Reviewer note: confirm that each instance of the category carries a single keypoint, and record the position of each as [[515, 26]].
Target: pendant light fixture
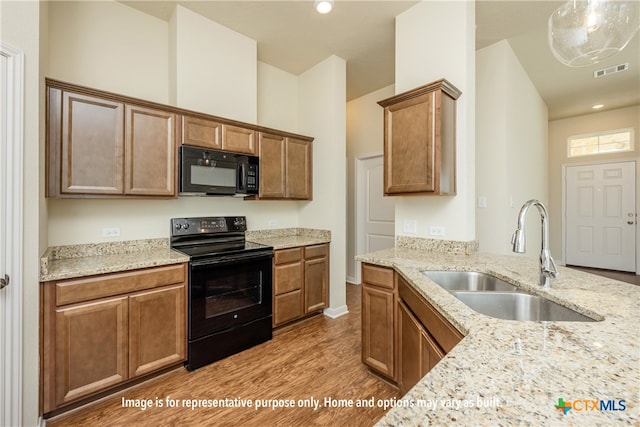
[[323, 6], [584, 32]]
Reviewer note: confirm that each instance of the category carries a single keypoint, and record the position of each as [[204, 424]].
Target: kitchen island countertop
[[512, 372]]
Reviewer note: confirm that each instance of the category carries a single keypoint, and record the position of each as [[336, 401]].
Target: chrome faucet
[[548, 268]]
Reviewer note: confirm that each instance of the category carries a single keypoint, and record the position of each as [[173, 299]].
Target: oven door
[[229, 292]]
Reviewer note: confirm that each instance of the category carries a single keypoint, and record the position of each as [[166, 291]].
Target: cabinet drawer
[[287, 278], [377, 276], [444, 333], [316, 251], [89, 288], [284, 256], [287, 307]]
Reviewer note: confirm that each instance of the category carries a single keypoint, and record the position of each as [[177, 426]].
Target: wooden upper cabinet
[[150, 152], [201, 133], [419, 140], [88, 145], [238, 139], [99, 147], [299, 174], [272, 166], [285, 167]]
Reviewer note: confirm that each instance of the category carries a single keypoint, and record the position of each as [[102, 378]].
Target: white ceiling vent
[[610, 70]]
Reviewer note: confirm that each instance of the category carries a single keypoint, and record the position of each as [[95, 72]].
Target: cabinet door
[[431, 353], [272, 166], [90, 348], [92, 146], [287, 307], [201, 133], [409, 150], [316, 278], [409, 349], [378, 330], [238, 140], [298, 169], [150, 152], [157, 325]]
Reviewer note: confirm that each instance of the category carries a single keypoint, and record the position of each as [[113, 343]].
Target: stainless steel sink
[[468, 281], [518, 306]]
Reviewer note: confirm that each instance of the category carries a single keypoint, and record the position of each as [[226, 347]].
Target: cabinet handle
[[4, 281]]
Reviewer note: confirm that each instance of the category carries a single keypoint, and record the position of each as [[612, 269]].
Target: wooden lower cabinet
[[300, 282], [417, 351], [156, 334], [424, 336], [91, 343], [379, 296], [403, 336], [103, 331]]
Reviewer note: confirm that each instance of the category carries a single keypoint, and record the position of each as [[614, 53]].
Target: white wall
[[277, 98], [107, 45], [559, 131], [435, 40], [511, 149], [215, 67], [365, 137], [20, 27], [322, 101]]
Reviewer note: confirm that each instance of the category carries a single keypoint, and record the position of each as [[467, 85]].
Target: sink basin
[[468, 281], [518, 306]]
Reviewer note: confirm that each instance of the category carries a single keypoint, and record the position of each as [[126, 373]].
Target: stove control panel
[[207, 225]]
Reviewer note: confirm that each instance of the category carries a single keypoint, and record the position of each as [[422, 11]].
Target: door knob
[[630, 222], [4, 281]]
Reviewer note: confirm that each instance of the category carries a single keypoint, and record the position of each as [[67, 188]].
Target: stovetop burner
[[212, 236]]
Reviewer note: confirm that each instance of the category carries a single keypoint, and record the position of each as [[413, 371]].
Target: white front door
[[375, 213], [601, 216]]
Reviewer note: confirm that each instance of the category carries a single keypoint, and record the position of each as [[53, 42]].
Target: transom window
[[600, 143]]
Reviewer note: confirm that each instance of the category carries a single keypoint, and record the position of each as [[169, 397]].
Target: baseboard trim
[[334, 313]]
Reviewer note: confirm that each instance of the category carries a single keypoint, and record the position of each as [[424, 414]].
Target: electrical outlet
[[436, 230], [410, 226], [111, 232], [273, 223]]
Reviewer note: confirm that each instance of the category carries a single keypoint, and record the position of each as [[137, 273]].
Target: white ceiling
[[292, 37]]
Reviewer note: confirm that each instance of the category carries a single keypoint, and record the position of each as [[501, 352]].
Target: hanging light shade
[[584, 32]]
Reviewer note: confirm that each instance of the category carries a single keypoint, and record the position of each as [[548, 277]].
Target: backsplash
[[438, 245]]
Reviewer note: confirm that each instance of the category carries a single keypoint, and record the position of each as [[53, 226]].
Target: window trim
[[598, 135]]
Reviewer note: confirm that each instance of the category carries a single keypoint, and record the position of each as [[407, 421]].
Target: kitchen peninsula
[[511, 372]]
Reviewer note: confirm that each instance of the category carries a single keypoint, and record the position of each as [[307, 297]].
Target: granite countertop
[[65, 262], [284, 238], [506, 372]]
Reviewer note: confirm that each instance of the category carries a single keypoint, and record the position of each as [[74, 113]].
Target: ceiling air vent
[[610, 70]]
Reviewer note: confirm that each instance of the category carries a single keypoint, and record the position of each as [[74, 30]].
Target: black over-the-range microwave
[[217, 173]]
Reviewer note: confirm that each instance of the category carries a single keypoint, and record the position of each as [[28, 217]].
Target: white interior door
[[10, 236], [601, 216], [375, 213]]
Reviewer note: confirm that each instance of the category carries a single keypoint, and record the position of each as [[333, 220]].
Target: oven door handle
[[231, 259]]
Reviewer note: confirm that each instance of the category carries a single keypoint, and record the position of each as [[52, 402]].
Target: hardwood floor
[[318, 358], [617, 275]]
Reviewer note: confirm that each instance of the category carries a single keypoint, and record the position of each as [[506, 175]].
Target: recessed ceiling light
[[597, 106], [323, 6]]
